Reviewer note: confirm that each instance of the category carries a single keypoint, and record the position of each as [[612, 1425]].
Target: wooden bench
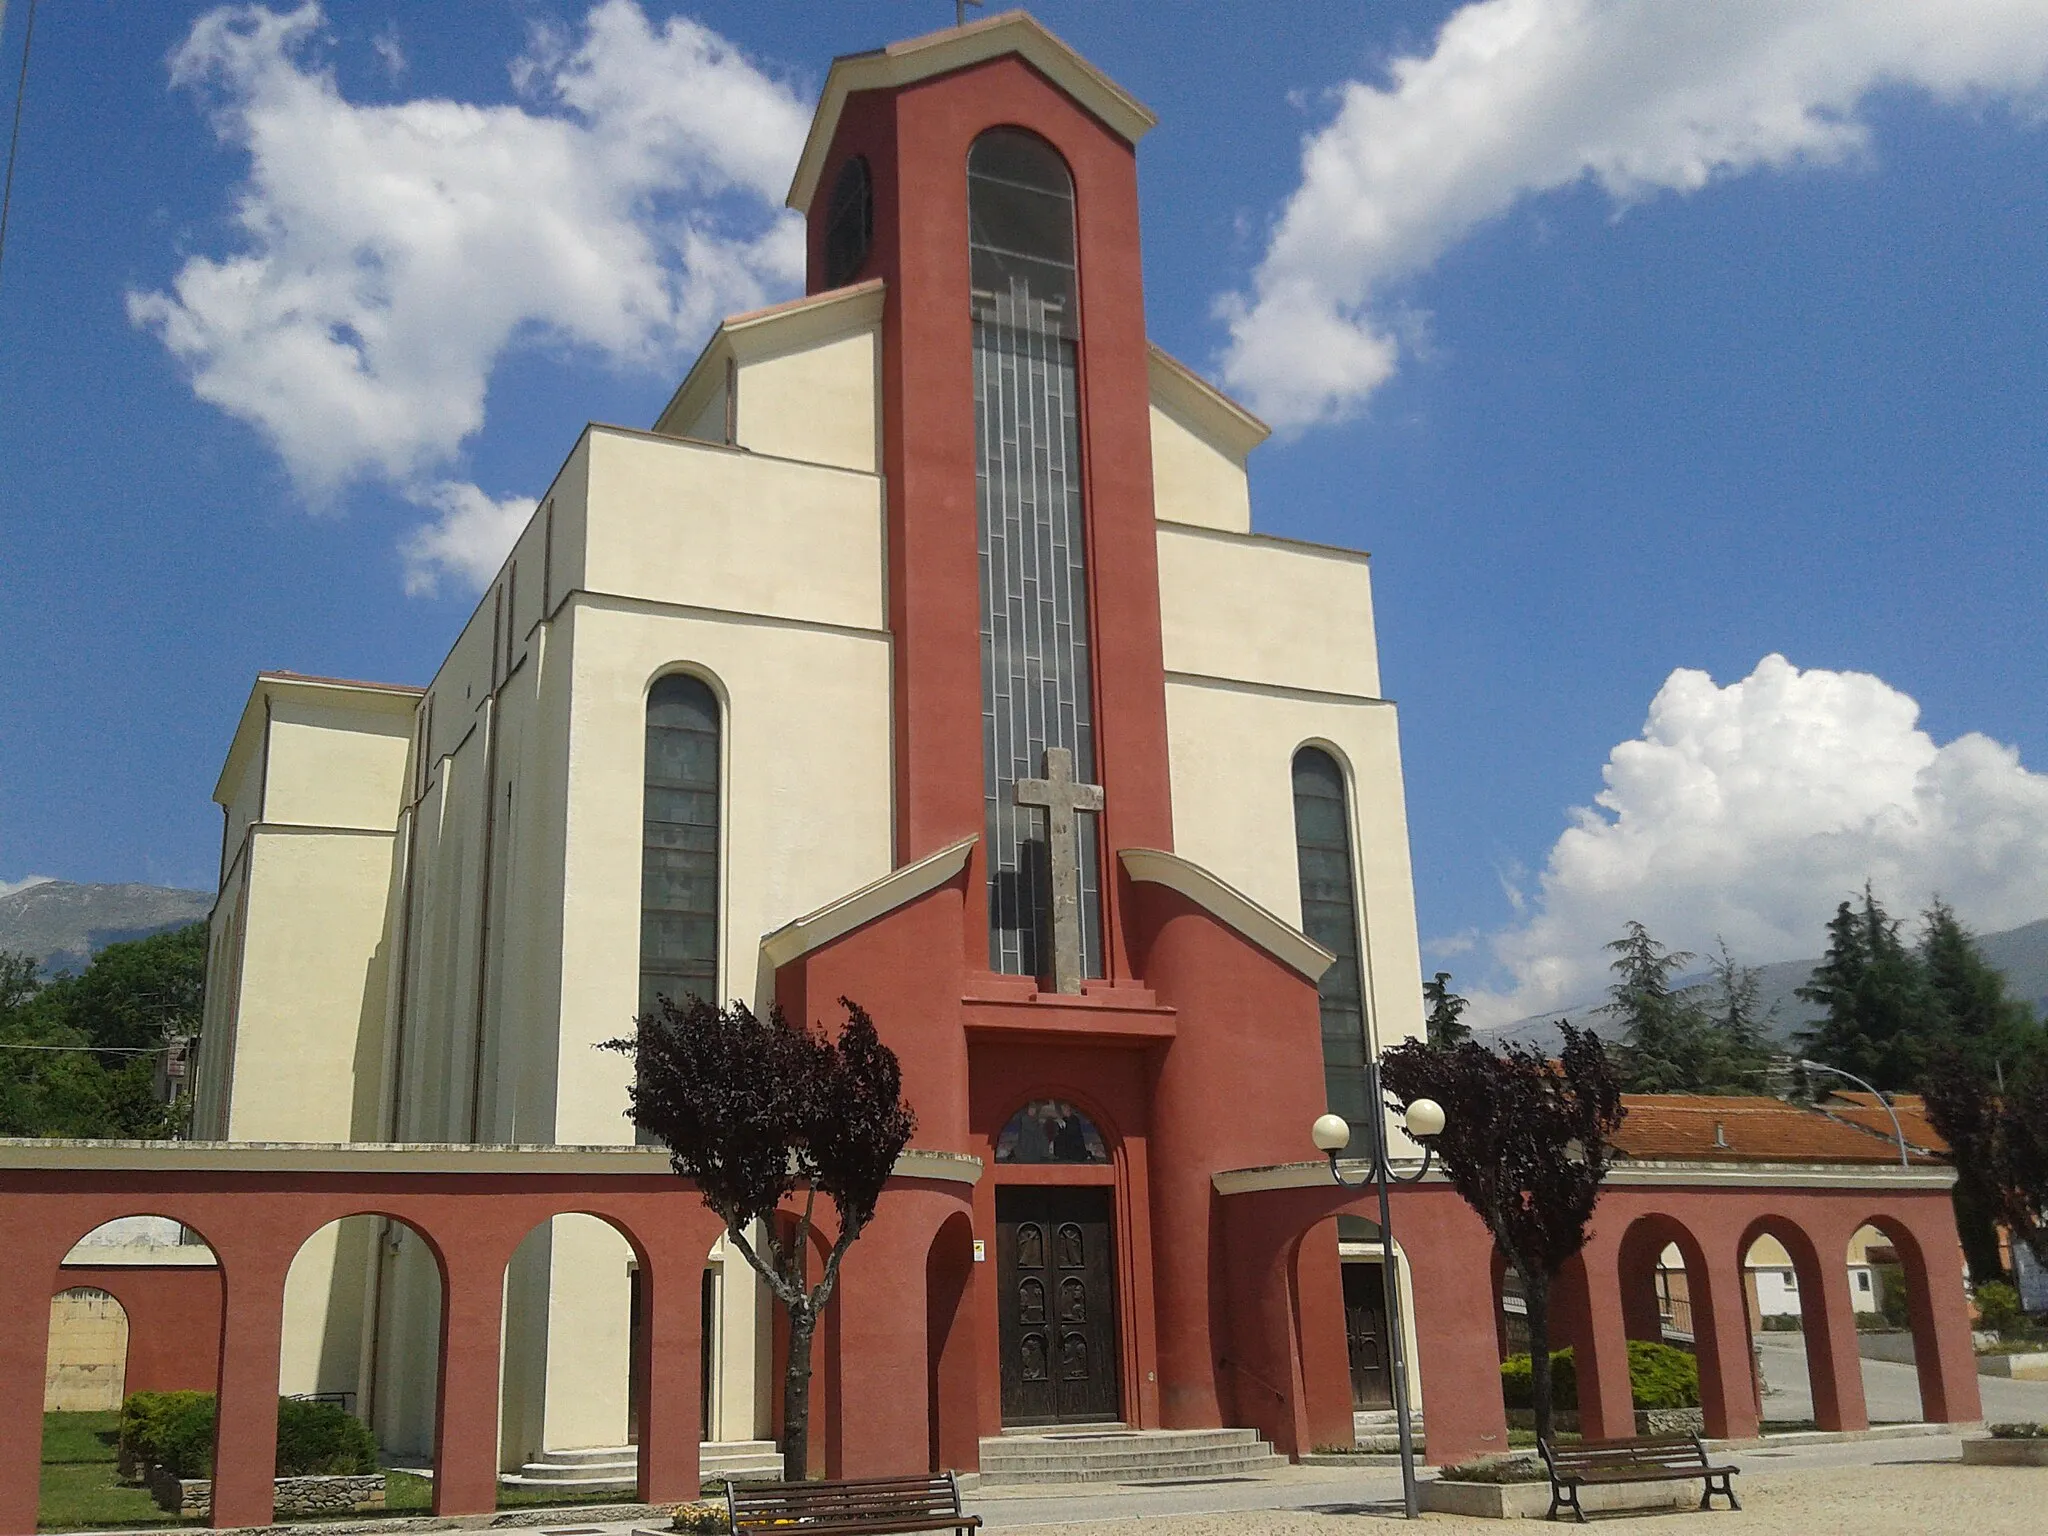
[[869, 1506], [1649, 1459]]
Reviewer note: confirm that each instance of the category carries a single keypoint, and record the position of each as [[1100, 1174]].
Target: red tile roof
[[1690, 1127], [1864, 1110]]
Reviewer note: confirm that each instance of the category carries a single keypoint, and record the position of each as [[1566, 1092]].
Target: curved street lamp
[[1424, 1120], [1898, 1134]]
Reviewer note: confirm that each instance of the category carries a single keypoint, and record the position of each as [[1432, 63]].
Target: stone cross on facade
[[1059, 796]]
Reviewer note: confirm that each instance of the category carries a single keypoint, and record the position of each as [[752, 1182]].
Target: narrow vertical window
[[1035, 680], [1329, 915], [679, 844]]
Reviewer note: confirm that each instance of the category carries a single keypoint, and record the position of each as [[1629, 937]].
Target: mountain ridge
[[63, 924], [2021, 953]]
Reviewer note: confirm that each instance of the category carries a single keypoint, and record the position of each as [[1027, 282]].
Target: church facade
[[923, 653], [754, 710]]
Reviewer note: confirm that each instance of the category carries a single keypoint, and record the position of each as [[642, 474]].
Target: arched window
[[1036, 690], [1050, 1131], [1329, 915], [679, 844]]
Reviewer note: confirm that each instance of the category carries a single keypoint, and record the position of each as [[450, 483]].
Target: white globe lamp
[[1331, 1133], [1425, 1118]]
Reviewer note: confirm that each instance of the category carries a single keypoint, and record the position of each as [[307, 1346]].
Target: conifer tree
[[1874, 989], [1739, 1046], [1444, 1026], [1971, 1012], [1663, 1049]]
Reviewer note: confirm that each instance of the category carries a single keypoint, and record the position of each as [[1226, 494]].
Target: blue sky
[[1641, 344]]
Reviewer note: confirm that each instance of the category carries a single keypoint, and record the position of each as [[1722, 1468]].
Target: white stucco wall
[[1264, 610], [1194, 481]]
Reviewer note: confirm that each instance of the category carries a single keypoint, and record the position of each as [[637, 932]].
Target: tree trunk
[[1536, 1297], [796, 1396]]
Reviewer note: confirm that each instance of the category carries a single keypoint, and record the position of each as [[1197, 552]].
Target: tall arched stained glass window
[[1035, 682], [679, 844], [1329, 915]]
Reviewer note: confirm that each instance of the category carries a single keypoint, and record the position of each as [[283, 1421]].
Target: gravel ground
[[1902, 1498]]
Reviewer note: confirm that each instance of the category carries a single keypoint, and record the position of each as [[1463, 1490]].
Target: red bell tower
[[883, 183]]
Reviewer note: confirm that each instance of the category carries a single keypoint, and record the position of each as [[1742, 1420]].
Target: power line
[[28, 37], [95, 1050]]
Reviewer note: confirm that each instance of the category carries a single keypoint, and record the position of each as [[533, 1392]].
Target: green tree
[[1983, 1039], [1878, 1005], [74, 1052], [1526, 1143], [1445, 1026], [1664, 1047], [1971, 1011], [1738, 1044]]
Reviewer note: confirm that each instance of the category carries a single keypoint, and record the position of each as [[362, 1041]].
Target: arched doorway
[[1790, 1307], [1056, 1269], [362, 1329]]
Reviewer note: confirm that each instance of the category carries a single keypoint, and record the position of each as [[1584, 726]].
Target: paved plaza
[[1890, 1391]]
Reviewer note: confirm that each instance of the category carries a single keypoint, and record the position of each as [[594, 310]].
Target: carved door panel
[[1365, 1336], [1056, 1279]]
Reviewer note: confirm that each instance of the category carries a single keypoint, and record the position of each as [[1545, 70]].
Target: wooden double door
[[1365, 1336], [1056, 1283]]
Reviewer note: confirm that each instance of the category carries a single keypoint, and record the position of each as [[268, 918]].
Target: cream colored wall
[[86, 1362], [589, 1361], [324, 1294], [1233, 749], [1193, 480], [1262, 610], [817, 402], [679, 522], [310, 1037], [334, 766], [806, 734]]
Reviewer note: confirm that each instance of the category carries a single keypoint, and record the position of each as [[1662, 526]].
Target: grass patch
[[79, 1488]]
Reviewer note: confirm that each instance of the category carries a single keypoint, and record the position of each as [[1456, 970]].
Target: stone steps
[[1124, 1456], [1378, 1432], [599, 1469]]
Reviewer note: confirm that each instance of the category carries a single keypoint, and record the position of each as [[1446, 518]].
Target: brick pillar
[[1940, 1315], [1720, 1322], [27, 1280], [1586, 1313], [245, 1424], [1834, 1366], [669, 1364], [466, 1409], [1457, 1355], [882, 1338]]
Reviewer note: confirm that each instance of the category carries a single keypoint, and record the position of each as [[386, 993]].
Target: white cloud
[[1747, 812], [389, 255], [468, 541], [9, 887], [1522, 97]]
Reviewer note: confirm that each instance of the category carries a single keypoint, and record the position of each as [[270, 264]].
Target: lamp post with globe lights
[[1424, 1120]]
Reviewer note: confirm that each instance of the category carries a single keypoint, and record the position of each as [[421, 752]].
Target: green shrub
[[1518, 1392], [1876, 1322], [1662, 1377], [1998, 1308], [172, 1430], [1658, 1377], [321, 1439], [1784, 1322], [2019, 1431], [1891, 1294]]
